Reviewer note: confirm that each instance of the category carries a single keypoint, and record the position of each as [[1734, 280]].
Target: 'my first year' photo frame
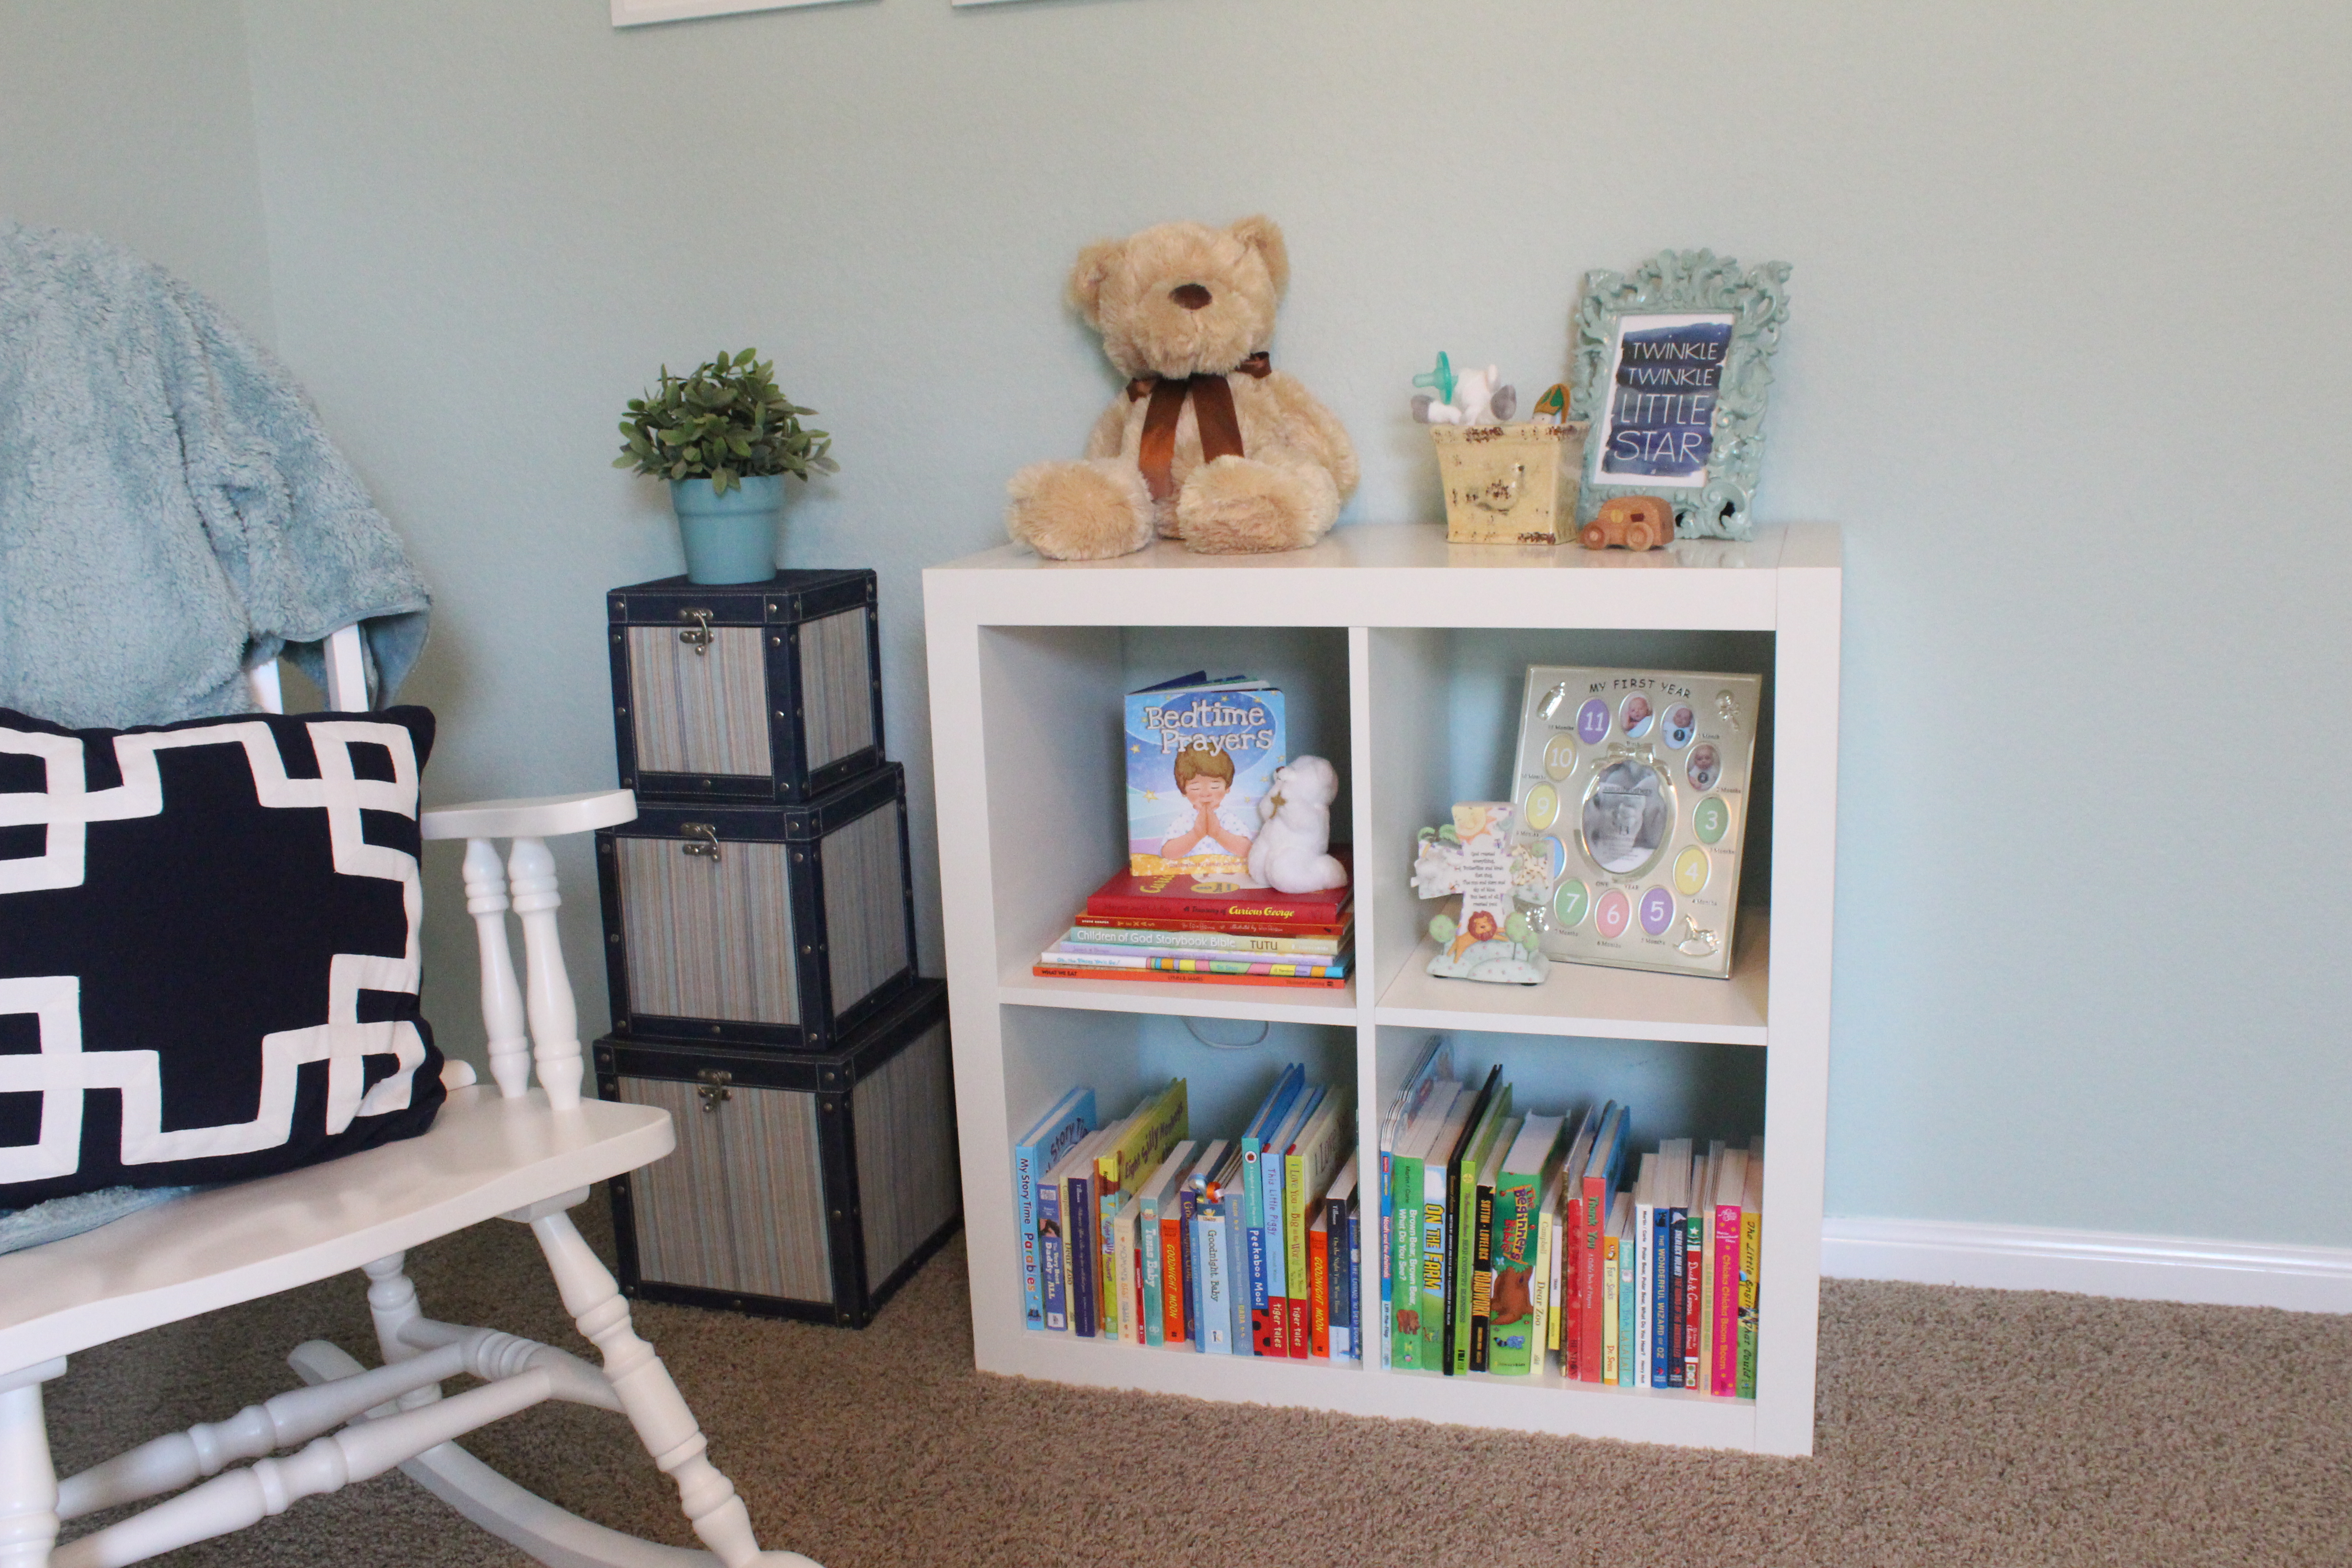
[[1672, 364]]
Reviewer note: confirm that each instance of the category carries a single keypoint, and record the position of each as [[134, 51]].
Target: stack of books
[[1183, 929], [1140, 1234], [1512, 1237]]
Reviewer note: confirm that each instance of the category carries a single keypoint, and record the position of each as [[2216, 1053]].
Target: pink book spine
[[1723, 1371]]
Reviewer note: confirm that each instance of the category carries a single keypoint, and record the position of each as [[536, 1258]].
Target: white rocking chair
[[497, 1150]]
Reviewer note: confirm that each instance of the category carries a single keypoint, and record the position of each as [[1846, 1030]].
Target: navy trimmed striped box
[[757, 693], [773, 926], [802, 1185]]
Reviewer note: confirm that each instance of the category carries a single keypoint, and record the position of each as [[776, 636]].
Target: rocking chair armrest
[[540, 816]]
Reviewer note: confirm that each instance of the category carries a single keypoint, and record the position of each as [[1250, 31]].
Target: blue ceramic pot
[[729, 538]]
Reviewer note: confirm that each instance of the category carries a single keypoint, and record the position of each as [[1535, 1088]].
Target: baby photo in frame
[[1633, 789]]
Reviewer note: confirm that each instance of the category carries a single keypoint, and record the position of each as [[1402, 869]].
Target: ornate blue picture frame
[[1673, 365]]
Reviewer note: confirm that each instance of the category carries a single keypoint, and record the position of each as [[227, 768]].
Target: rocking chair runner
[[497, 1151]]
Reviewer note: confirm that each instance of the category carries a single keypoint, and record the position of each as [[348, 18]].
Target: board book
[[1201, 754], [1055, 1135]]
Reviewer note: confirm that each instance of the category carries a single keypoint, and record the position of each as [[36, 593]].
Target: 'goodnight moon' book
[[1201, 754]]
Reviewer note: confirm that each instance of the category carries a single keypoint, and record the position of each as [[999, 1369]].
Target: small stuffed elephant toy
[[1478, 399], [1291, 853]]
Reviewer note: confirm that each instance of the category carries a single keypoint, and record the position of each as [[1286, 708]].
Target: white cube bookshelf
[[1398, 656]]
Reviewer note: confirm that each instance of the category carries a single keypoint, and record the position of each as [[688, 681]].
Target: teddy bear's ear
[[1263, 234], [1088, 277]]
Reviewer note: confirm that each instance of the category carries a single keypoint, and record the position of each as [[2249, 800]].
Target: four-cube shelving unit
[[1401, 659]]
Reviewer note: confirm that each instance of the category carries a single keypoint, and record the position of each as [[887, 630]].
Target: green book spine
[[1404, 1262], [1466, 1214], [1433, 1265], [1511, 1316]]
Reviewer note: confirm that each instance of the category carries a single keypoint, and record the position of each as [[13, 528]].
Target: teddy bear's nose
[[1192, 296]]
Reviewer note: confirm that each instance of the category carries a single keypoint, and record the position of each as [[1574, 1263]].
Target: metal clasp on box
[[701, 838], [698, 636], [713, 1088]]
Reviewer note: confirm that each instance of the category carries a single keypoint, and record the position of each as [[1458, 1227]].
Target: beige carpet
[[1956, 1427]]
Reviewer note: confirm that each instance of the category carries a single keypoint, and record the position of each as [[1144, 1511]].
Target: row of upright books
[[1137, 1232], [1172, 926], [1512, 1237]]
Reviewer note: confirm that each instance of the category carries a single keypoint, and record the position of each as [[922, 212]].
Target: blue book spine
[[1216, 1336], [1355, 1266], [1677, 1236], [1188, 1207], [1388, 1254], [1626, 1349], [1660, 1217], [1238, 1298], [1334, 1237], [1052, 1138], [1052, 1283], [1085, 1257]]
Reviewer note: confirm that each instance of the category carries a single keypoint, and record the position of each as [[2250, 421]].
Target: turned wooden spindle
[[502, 1008]]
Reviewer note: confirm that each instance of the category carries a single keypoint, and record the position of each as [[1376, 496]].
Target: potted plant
[[724, 438]]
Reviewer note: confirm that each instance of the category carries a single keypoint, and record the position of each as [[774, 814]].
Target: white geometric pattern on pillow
[[60, 1071]]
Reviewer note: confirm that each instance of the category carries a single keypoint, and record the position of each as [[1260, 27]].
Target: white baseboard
[[2090, 1262]]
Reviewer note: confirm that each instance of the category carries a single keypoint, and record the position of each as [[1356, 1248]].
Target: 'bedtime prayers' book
[[1201, 754]]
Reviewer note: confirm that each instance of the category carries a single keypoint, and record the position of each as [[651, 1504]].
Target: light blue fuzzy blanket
[[171, 510]]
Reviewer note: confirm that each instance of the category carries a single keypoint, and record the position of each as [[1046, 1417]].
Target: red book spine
[[1571, 1286], [1593, 1215], [1319, 1303], [1237, 927], [1140, 1336], [1171, 1281], [1723, 1369]]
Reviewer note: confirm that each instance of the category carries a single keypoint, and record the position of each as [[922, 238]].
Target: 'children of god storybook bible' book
[[1201, 754]]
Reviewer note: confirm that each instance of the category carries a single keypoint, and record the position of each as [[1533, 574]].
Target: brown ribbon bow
[[1213, 407]]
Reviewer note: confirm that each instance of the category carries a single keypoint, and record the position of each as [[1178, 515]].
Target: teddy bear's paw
[[1240, 505], [1079, 512]]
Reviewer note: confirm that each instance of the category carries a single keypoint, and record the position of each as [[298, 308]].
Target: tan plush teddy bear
[[1207, 443]]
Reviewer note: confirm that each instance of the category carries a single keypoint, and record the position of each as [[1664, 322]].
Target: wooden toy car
[[1637, 523]]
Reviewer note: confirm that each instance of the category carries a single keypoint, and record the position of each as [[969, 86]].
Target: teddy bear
[[1291, 851], [1207, 442]]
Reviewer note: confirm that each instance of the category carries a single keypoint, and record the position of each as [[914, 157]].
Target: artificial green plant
[[725, 423]]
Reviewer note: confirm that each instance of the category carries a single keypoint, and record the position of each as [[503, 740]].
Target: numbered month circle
[[1691, 870], [1542, 806], [1559, 756], [1637, 716], [1657, 910], [1627, 811], [1569, 905], [1555, 857], [1703, 767], [1679, 726], [1593, 722], [1611, 913], [1710, 819]]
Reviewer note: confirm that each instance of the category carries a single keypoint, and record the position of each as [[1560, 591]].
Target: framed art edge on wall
[[1685, 288], [642, 13]]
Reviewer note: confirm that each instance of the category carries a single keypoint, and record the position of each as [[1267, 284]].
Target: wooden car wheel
[[1594, 536], [1641, 536]]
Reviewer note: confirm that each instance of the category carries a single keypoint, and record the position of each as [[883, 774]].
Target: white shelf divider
[[1026, 680]]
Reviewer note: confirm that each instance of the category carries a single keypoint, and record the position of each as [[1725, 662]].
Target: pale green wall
[[2067, 362], [133, 119]]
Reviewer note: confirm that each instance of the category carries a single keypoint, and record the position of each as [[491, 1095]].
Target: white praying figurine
[[1291, 853]]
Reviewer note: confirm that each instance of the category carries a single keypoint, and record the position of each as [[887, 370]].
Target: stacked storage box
[[759, 930]]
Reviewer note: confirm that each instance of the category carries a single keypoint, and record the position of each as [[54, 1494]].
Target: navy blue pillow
[[208, 948]]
